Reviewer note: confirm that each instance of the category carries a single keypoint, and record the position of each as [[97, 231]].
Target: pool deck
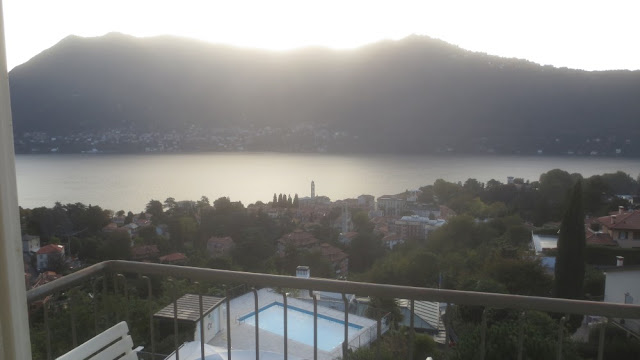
[[243, 334]]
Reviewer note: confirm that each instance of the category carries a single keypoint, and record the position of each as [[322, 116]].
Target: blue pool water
[[300, 325]]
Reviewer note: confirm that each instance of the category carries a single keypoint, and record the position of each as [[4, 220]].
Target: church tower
[[313, 190]]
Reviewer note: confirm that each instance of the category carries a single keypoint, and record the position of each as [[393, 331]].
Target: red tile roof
[[144, 251], [332, 253], [299, 239], [600, 238], [175, 257], [51, 249], [621, 220]]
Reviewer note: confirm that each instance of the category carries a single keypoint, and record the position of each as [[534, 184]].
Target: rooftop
[[188, 307]]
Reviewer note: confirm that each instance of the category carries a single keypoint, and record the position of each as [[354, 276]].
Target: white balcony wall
[[14, 325]]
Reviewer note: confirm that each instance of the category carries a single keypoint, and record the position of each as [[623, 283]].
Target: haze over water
[[128, 182]]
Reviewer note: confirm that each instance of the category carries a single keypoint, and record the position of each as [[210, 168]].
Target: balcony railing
[[118, 273]]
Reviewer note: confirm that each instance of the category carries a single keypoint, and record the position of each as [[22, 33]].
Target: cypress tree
[[275, 199], [295, 201], [279, 199], [570, 267]]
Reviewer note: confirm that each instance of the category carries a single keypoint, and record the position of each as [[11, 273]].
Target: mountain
[[413, 95]]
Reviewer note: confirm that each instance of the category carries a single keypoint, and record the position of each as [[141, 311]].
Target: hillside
[[414, 95]]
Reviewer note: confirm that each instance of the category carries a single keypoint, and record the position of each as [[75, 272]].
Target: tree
[[203, 202], [570, 267], [154, 207], [275, 199], [296, 202]]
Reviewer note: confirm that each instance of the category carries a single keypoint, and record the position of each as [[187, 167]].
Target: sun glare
[[576, 34]]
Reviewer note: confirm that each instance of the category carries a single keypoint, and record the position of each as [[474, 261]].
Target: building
[[298, 239], [174, 259], [622, 286], [415, 227], [30, 243], [338, 259], [49, 256], [219, 246], [346, 238], [427, 317], [145, 253], [368, 201], [188, 315], [622, 226], [391, 205]]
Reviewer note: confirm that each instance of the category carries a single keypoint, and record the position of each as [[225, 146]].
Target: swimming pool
[[300, 325]]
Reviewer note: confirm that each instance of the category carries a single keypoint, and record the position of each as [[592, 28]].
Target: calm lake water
[[128, 182]]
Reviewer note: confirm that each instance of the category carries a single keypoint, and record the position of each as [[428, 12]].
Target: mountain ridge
[[418, 94]]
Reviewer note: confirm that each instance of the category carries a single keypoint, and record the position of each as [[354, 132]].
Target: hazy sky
[[591, 35]]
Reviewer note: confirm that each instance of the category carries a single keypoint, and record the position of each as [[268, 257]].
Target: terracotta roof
[[173, 257], [299, 239], [50, 249], [350, 234], [622, 221], [391, 237], [144, 251], [600, 238], [332, 253]]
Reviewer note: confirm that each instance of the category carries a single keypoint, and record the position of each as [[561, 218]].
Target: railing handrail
[[490, 300]]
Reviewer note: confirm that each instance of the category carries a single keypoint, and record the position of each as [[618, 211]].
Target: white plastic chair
[[113, 343]]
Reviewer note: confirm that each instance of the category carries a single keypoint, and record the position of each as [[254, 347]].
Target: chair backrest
[[113, 343]]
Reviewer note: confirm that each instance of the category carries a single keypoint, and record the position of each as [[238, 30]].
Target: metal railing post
[[603, 329], [286, 325], [126, 296], [255, 296], [412, 334], [521, 335], [174, 296], [560, 337], [226, 294], [378, 332], [345, 344], [315, 324], [151, 330], [45, 305], [483, 334], [72, 309]]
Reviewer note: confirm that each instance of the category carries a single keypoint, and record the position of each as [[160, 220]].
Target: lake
[[128, 182]]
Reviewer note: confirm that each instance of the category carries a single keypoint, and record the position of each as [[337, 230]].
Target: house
[[119, 220], [338, 259], [131, 229], [30, 243], [368, 201], [391, 240], [219, 246], [391, 205], [145, 252], [299, 239], [417, 227], [49, 256], [622, 286], [346, 238], [427, 317], [622, 226], [173, 259]]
